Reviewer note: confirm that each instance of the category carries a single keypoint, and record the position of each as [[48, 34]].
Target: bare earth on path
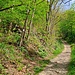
[[58, 65]]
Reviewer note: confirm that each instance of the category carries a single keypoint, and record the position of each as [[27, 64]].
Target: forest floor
[[59, 65]]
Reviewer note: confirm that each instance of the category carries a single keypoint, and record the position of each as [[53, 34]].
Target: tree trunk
[[24, 29], [31, 21]]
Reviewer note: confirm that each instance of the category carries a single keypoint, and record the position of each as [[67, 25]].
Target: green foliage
[[16, 37], [73, 6], [25, 52], [13, 14], [42, 52], [20, 66], [56, 52], [43, 64], [58, 48], [1, 67], [71, 68], [7, 51], [13, 38], [39, 39], [2, 45], [38, 69], [1, 34], [67, 26], [23, 49]]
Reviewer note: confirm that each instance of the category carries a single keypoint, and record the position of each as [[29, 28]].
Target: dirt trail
[[58, 65]]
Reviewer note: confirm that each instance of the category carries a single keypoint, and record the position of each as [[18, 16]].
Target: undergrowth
[[71, 68], [43, 63], [34, 51], [58, 48], [10, 54]]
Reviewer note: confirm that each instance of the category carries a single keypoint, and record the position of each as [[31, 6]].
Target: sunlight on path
[[58, 65]]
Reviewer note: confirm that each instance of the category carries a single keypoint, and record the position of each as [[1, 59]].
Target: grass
[[71, 68], [42, 53], [40, 68], [58, 48], [9, 53]]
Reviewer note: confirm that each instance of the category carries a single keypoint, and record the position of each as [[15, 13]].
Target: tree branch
[[17, 6], [11, 7], [40, 2], [67, 1]]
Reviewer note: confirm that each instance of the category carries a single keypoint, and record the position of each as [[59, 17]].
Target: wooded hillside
[[31, 33]]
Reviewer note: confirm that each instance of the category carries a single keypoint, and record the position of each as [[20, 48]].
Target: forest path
[[58, 65]]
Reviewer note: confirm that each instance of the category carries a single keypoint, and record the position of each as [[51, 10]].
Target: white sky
[[68, 5]]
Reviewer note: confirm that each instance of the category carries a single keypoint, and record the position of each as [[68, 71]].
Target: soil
[[59, 65]]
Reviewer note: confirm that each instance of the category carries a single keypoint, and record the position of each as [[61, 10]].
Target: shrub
[[42, 52], [71, 68]]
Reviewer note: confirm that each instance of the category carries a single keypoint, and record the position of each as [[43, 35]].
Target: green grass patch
[[58, 48], [2, 70], [20, 66], [43, 64], [71, 68], [7, 51], [37, 69], [42, 53]]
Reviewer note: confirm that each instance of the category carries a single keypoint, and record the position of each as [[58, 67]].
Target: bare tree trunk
[[30, 25], [24, 29], [47, 20], [31, 21], [48, 15], [10, 27]]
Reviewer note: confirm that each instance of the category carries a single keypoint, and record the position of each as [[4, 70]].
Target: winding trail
[[58, 65]]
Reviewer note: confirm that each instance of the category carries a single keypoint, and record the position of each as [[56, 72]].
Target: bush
[[37, 69], [14, 38], [1, 68], [42, 52], [58, 47], [71, 68], [1, 34], [2, 45]]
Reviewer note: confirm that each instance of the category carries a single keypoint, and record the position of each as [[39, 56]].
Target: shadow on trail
[[55, 65]]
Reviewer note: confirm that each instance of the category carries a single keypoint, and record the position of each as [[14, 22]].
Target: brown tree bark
[[24, 29], [31, 21]]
